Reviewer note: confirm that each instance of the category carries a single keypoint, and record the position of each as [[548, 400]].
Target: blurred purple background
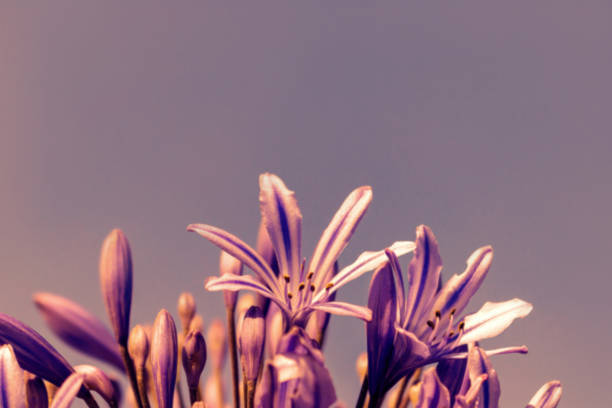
[[489, 122]]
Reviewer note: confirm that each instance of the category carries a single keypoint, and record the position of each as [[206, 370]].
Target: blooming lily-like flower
[[12, 391], [164, 358], [298, 290], [296, 376], [79, 328], [412, 329]]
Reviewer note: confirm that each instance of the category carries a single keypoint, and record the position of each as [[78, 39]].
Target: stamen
[[301, 286], [452, 313], [438, 314], [312, 287], [286, 277], [431, 324], [436, 328], [310, 275], [329, 286], [461, 326], [290, 295]]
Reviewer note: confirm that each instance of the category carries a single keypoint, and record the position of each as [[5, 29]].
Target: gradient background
[[489, 122]]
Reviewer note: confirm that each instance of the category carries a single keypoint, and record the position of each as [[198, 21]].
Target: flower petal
[[238, 249], [228, 265], [381, 329], [116, 282], [492, 319], [244, 282], [164, 358], [432, 394], [96, 380], [338, 233], [547, 396], [79, 328], [345, 309], [424, 276], [33, 352], [12, 390], [364, 263], [68, 391], [283, 220], [489, 390], [36, 393]]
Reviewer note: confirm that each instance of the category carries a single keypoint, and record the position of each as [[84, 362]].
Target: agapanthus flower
[[298, 290], [296, 376], [421, 326]]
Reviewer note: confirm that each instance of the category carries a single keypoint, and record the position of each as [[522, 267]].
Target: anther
[[453, 311], [286, 277], [461, 326], [290, 295], [301, 286], [312, 288], [329, 286], [310, 275], [438, 314], [431, 324], [450, 334]]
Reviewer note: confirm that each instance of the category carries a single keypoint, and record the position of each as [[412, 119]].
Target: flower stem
[[131, 371], [231, 329]]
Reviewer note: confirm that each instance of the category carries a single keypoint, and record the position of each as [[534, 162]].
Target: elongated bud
[[36, 393], [251, 341], [194, 357], [67, 392], [229, 265], [164, 358], [196, 324], [96, 380], [79, 328], [217, 344], [138, 346], [116, 282], [361, 365], [186, 309], [12, 388]]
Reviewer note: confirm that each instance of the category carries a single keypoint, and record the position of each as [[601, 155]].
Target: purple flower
[[12, 391], [116, 282], [194, 357], [298, 290], [33, 352], [419, 327], [68, 391], [547, 396], [296, 376], [79, 328], [164, 358]]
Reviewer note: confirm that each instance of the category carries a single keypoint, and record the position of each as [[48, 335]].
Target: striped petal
[[164, 358], [243, 282], [79, 328], [338, 233], [424, 276], [68, 391], [96, 380], [12, 391], [488, 391], [36, 393], [492, 319], [238, 249], [345, 309], [547, 396], [283, 220], [432, 393], [366, 262]]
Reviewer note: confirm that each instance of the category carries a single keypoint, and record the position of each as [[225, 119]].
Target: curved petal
[[492, 319], [424, 276], [68, 391], [283, 220], [79, 328], [364, 263], [381, 329], [345, 309], [547, 396], [33, 352], [97, 380], [36, 393], [237, 248], [432, 393], [12, 390], [338, 233], [489, 390]]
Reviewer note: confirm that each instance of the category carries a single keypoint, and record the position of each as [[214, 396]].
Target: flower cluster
[[423, 351]]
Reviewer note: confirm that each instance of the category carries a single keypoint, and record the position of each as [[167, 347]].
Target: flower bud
[[186, 309], [194, 357], [36, 393], [217, 344], [116, 282], [67, 392], [164, 358], [96, 380], [138, 346], [361, 365], [229, 265], [251, 342], [12, 389], [196, 324]]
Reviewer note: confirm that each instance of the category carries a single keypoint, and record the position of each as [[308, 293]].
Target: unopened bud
[[217, 344], [362, 365], [194, 357], [251, 342], [186, 309], [138, 346], [196, 324]]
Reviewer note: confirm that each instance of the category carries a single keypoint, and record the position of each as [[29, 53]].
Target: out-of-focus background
[[489, 122]]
